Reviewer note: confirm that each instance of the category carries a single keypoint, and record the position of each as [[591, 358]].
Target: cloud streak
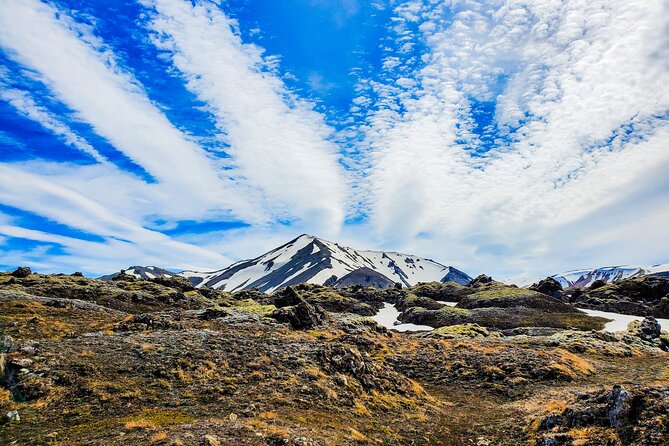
[[567, 80], [278, 144]]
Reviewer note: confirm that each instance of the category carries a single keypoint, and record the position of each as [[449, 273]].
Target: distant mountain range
[[314, 260], [580, 278], [608, 274]]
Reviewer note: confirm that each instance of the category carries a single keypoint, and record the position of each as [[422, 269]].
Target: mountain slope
[[313, 260], [143, 272]]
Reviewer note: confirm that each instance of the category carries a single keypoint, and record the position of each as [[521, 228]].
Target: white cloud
[[81, 72], [278, 144], [577, 72], [283, 163], [25, 105], [123, 236], [107, 256]]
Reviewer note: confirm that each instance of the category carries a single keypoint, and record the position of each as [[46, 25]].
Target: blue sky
[[513, 138]]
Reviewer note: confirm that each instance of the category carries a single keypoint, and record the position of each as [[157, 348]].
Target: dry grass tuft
[[361, 409], [358, 436], [159, 436], [268, 415], [139, 424], [556, 406]]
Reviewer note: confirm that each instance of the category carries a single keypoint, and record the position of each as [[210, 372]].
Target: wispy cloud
[[565, 79], [278, 144], [25, 105], [84, 74]]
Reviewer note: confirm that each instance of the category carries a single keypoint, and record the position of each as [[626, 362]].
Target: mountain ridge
[[314, 260], [584, 277]]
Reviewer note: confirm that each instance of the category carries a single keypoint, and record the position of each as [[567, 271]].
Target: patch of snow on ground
[[387, 317], [619, 322]]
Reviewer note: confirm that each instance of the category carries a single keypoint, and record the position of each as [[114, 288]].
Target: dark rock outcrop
[[22, 272], [299, 313], [639, 296], [327, 299], [608, 417], [481, 279], [597, 284], [647, 329], [548, 286]]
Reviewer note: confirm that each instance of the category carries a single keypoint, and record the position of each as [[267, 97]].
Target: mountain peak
[[307, 258]]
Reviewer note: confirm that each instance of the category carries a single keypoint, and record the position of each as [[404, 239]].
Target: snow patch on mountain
[[142, 272]]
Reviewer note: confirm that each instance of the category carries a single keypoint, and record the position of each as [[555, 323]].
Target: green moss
[[504, 291], [468, 330], [154, 417], [253, 307], [454, 310]]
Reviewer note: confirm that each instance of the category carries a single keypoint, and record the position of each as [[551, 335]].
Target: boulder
[[11, 417], [212, 313], [22, 271], [620, 406], [548, 286], [597, 284], [661, 310], [482, 279], [301, 316], [457, 331], [647, 329], [287, 297], [7, 344]]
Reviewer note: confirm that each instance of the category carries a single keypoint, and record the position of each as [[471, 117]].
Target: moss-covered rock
[[326, 298], [503, 296], [447, 291], [502, 318], [412, 300], [641, 296], [462, 330]]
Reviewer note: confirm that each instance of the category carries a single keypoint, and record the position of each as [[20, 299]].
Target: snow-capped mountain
[[585, 277], [313, 260], [143, 272], [608, 274]]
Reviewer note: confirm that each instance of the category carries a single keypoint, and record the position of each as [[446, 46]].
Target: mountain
[[608, 274], [143, 272], [314, 260]]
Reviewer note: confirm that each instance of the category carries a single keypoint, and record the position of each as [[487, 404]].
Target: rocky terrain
[[157, 361], [645, 295], [493, 304]]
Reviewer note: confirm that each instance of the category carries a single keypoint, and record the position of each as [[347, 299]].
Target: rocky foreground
[[159, 362]]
